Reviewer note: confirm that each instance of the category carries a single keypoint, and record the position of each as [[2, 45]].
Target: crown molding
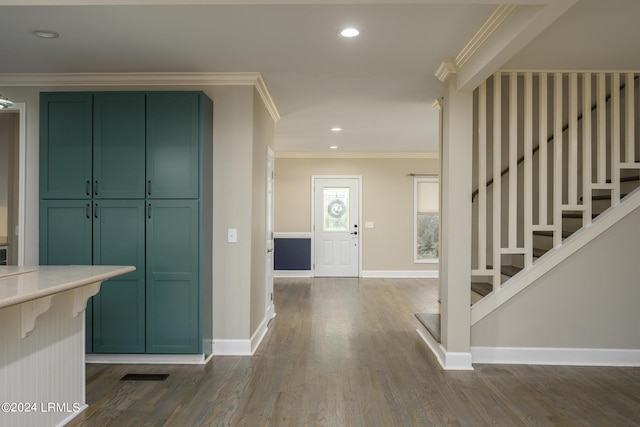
[[354, 155], [145, 79], [447, 68], [499, 15], [438, 104], [451, 66]]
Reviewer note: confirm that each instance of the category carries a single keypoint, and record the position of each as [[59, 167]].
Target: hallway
[[344, 352]]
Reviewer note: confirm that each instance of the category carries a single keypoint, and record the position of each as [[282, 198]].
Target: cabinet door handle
[[95, 187], [149, 187], [87, 211], [149, 210], [87, 187], [95, 210]]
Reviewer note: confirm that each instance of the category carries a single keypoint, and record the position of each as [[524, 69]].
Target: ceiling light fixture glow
[[5, 103], [336, 129], [45, 34], [333, 147], [349, 32]]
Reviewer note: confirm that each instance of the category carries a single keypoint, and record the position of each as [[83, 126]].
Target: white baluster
[[586, 149], [542, 149], [482, 176], [497, 179], [513, 161], [615, 139], [557, 159], [528, 169]]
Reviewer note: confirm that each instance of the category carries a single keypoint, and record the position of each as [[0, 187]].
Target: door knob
[[355, 232]]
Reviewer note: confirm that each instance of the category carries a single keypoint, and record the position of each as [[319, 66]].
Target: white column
[[455, 259]]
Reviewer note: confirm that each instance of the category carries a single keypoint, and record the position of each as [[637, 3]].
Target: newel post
[[456, 216]]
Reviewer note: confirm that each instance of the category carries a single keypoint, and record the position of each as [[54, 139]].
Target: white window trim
[[417, 180]]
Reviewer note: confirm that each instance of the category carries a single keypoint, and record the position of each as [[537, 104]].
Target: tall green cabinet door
[[118, 145], [65, 145], [65, 239], [173, 317], [173, 145], [119, 307]]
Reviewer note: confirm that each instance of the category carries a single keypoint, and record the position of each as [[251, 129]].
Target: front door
[[336, 233]]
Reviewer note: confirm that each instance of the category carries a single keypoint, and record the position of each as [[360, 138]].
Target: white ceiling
[[378, 87]]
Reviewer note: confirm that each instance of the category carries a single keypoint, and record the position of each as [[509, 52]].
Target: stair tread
[[550, 233], [431, 322], [507, 270], [537, 252], [482, 288]]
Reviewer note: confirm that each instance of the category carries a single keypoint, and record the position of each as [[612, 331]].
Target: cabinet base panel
[[160, 359]]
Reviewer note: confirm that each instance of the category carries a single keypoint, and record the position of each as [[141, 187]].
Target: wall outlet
[[232, 235]]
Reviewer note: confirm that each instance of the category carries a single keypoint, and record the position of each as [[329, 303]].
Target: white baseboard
[[241, 347], [258, 335], [400, 274], [291, 273], [556, 356], [162, 359], [450, 361], [72, 416], [232, 347]]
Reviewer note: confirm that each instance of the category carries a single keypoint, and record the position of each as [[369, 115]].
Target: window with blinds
[[426, 219]]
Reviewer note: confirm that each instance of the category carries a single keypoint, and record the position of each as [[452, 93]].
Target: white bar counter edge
[[42, 362]]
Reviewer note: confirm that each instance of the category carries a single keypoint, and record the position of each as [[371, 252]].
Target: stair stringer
[[554, 257]]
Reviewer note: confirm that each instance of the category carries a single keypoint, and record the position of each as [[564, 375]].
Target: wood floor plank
[[344, 352]]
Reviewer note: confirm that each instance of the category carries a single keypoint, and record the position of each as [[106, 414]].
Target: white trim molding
[[146, 79], [259, 334], [556, 356], [292, 273], [241, 347], [292, 235], [232, 347], [505, 32], [148, 359], [400, 274], [356, 155], [450, 361]]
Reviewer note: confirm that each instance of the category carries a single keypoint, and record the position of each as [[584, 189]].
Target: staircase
[[553, 154]]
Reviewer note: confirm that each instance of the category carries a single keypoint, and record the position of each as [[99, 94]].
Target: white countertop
[[21, 284]]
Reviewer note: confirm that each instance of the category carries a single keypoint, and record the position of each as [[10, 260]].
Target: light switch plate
[[368, 224], [232, 235]]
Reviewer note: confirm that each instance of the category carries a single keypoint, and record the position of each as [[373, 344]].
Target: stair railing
[[514, 110]]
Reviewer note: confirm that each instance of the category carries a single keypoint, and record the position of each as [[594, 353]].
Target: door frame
[[20, 108], [270, 312], [313, 218]]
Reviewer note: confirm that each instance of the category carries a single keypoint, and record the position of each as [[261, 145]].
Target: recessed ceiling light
[[45, 34], [333, 147], [336, 129], [349, 32]]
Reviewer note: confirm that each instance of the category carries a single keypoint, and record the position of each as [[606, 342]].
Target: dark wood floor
[[344, 352]]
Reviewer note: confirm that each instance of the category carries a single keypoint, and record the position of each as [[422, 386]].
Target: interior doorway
[[12, 184]]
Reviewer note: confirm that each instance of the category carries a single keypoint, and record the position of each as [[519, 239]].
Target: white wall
[[588, 301]]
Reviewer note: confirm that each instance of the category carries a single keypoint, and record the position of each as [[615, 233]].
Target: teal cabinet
[[173, 135], [65, 232], [172, 276], [66, 131], [65, 239], [118, 145], [119, 307], [124, 178]]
